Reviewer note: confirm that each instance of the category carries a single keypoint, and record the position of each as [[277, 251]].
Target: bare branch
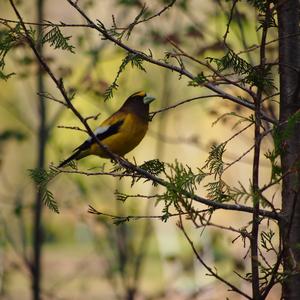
[[72, 128], [154, 113], [255, 173]]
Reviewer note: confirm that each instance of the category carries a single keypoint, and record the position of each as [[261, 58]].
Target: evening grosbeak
[[121, 132]]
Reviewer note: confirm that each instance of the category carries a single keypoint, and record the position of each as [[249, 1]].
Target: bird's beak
[[148, 99]]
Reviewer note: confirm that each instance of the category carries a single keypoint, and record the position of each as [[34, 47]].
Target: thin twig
[[159, 13], [94, 211], [50, 97], [152, 114], [242, 232], [101, 173], [229, 21], [207, 267], [239, 158], [131, 26], [44, 24], [72, 128]]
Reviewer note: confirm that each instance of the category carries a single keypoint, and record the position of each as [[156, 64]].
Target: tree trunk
[[41, 144], [289, 58]]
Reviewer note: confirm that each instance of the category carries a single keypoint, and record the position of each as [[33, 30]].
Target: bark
[[289, 58], [41, 144]]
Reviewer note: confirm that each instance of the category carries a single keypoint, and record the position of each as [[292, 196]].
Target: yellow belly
[[128, 137]]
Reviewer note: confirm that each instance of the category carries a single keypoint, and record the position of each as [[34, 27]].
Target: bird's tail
[[75, 156]]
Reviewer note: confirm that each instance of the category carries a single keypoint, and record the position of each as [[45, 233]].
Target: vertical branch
[[255, 216], [41, 144], [255, 171], [289, 66]]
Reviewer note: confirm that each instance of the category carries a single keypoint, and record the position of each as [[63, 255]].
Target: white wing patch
[[99, 130]]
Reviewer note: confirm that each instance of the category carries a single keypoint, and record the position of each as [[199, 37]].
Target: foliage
[[153, 166], [252, 75], [214, 161], [198, 80], [15, 36], [42, 178], [9, 39], [182, 182], [241, 193], [56, 39], [276, 168], [218, 191]]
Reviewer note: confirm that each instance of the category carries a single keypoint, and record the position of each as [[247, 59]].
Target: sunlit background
[[89, 257]]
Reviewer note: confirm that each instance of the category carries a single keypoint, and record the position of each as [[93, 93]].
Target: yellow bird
[[121, 132]]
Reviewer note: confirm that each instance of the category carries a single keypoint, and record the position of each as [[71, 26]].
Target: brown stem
[[255, 173]]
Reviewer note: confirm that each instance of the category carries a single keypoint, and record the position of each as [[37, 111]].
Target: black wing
[[112, 129]]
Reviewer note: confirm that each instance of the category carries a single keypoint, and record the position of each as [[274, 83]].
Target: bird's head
[[138, 103], [140, 96]]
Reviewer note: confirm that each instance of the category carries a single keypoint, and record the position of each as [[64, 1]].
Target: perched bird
[[121, 132]]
